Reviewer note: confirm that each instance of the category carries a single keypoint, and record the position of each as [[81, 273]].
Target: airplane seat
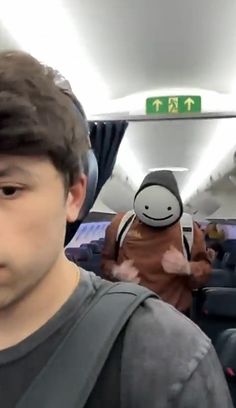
[[225, 260], [226, 351], [220, 278], [95, 247], [87, 256], [93, 263], [77, 255], [230, 253], [217, 264], [229, 245], [86, 247], [229, 260], [101, 241], [216, 311]]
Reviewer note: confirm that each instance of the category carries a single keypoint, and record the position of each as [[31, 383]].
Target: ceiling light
[[212, 156], [46, 30], [127, 160], [174, 169]]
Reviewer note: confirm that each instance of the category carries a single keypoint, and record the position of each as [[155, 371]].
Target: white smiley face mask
[[156, 205]]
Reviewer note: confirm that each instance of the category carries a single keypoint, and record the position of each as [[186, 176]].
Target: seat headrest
[[95, 247], [78, 254], [90, 166], [89, 161], [219, 302], [220, 278]]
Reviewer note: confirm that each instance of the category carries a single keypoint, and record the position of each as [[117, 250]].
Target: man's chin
[[9, 297], [6, 299]]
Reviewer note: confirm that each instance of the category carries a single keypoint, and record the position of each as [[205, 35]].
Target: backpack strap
[[72, 371], [110, 379], [186, 223], [187, 251], [123, 229]]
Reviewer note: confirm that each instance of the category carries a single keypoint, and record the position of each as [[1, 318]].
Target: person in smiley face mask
[[152, 253]]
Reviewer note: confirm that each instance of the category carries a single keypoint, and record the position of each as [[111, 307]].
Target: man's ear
[[75, 199]]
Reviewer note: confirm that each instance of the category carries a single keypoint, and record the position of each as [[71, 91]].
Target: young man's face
[[33, 216]]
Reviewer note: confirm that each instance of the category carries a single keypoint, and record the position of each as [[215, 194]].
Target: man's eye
[[9, 191]]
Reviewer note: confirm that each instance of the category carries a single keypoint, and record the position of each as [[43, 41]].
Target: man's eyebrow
[[14, 170]]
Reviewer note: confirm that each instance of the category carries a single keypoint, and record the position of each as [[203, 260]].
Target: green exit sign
[[173, 104]]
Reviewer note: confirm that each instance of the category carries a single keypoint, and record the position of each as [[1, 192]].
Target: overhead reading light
[[46, 30], [174, 169]]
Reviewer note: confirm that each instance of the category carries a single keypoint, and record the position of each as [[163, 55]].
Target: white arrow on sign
[[189, 102], [157, 103]]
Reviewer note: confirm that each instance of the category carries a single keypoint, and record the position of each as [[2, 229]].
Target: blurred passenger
[[213, 232]]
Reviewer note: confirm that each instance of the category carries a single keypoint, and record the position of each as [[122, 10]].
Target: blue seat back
[[226, 350], [216, 311]]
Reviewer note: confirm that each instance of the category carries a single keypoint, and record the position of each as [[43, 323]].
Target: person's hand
[[126, 272], [174, 262]]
